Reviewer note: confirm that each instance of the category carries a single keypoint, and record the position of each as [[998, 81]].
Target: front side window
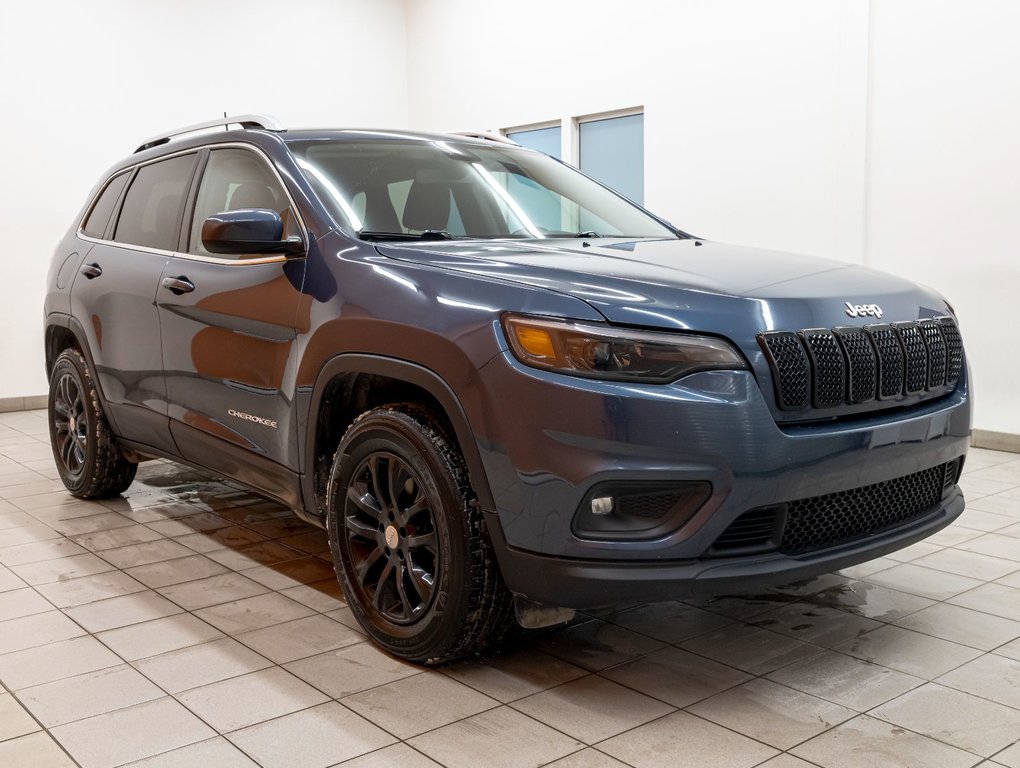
[[396, 189], [150, 215], [236, 179], [99, 216]]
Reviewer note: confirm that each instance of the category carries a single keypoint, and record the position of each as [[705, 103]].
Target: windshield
[[408, 189]]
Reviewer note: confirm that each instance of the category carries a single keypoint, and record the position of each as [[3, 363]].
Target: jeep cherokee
[[503, 389]]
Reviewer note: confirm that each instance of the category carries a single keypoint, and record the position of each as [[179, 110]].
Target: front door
[[228, 330]]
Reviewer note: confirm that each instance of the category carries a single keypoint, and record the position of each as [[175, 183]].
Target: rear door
[[228, 337], [114, 293]]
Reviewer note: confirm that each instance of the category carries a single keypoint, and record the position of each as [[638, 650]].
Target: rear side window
[[99, 216], [149, 214]]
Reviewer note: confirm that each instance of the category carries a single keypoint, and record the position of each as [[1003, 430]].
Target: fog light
[[617, 510]]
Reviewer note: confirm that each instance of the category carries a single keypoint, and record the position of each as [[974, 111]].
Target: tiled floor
[[191, 623]]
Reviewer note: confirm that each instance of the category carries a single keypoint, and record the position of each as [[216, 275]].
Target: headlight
[[616, 354]]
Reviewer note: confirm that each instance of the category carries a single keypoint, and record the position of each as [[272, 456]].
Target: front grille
[[823, 368], [818, 522]]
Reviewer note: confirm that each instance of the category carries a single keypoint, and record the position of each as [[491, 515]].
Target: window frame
[[188, 217], [188, 211]]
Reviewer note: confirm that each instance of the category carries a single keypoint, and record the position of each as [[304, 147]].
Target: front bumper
[[546, 440], [585, 584]]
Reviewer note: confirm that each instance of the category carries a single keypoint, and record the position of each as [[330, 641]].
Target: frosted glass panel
[[543, 139], [613, 152]]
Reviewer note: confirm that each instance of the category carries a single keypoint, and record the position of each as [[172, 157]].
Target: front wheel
[[85, 450], [408, 541]]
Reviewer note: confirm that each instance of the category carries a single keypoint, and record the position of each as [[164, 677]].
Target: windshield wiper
[[428, 234], [588, 233]]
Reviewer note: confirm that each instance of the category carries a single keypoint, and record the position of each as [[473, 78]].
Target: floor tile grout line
[[802, 597], [42, 728]]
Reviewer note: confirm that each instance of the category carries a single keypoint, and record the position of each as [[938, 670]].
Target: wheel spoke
[[365, 565], [65, 395], [359, 528], [393, 484], [364, 502], [420, 504], [375, 470], [421, 581], [387, 571], [61, 406], [66, 447], [419, 540], [402, 593]]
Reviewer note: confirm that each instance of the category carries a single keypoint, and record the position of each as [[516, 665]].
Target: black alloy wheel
[[408, 541], [85, 450], [70, 425], [391, 537]]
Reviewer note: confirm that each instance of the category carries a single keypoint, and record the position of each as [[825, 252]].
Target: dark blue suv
[[502, 388]]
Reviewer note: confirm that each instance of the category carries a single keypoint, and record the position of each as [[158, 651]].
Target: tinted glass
[[99, 216], [543, 139], [407, 187], [149, 214], [613, 151], [234, 179]]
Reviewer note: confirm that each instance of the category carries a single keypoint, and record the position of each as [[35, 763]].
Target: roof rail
[[487, 136], [267, 122]]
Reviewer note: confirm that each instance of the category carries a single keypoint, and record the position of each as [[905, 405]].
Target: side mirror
[[248, 230]]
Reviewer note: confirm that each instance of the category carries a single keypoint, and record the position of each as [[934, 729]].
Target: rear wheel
[[85, 450], [408, 540]]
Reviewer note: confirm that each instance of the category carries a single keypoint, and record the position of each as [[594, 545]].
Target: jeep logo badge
[[862, 310]]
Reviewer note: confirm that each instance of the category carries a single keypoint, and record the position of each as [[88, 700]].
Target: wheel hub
[[392, 537]]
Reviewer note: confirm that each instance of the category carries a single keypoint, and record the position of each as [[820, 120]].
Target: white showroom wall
[[85, 82], [883, 132], [944, 174], [879, 131]]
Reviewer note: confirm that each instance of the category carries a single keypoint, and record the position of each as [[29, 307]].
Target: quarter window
[[235, 179], [150, 215], [99, 216]]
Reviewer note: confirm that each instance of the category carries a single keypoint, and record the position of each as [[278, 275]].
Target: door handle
[[91, 270], [178, 285]]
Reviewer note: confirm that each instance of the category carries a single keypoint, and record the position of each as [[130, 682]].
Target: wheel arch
[[338, 378], [66, 332]]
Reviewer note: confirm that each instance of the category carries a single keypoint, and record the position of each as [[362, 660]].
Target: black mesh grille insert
[[752, 529], [827, 367], [954, 350], [890, 360], [824, 521], [861, 369], [916, 356], [849, 365], [931, 332], [789, 369]]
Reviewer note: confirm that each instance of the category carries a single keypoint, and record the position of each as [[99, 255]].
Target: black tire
[[417, 569], [90, 463]]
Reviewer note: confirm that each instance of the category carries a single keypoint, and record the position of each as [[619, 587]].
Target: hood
[[729, 290]]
